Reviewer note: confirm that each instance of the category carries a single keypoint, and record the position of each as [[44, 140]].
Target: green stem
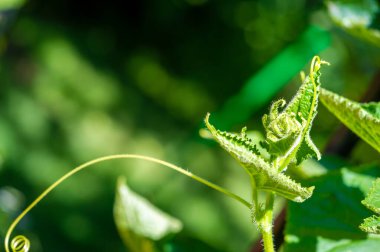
[[255, 200], [266, 223], [24, 242]]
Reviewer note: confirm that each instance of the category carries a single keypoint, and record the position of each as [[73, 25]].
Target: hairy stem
[[266, 223], [255, 201], [24, 240]]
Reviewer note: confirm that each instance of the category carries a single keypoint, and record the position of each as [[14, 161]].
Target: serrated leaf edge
[[329, 98], [268, 178], [366, 202]]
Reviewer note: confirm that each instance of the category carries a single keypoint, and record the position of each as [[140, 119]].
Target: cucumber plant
[[287, 143]]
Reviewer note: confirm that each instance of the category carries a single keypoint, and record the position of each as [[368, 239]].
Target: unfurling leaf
[[372, 202], [362, 118], [139, 222], [288, 131], [266, 176], [287, 140]]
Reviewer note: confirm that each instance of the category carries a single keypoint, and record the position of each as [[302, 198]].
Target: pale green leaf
[[371, 225], [367, 245], [356, 17], [361, 118], [266, 176], [372, 201], [139, 222]]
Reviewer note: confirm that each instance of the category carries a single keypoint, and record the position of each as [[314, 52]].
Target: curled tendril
[[20, 244], [316, 64]]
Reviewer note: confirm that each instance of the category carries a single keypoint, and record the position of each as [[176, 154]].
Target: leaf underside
[[139, 222], [362, 118]]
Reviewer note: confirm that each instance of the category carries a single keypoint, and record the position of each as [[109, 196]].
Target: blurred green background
[[81, 80]]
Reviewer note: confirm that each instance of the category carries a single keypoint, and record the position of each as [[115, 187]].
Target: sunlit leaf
[[361, 118], [372, 202], [371, 225], [288, 131], [139, 222], [267, 177], [357, 17]]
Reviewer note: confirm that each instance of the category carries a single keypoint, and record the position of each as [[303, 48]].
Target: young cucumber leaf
[[361, 118], [372, 202], [139, 222], [266, 176], [288, 131], [357, 17]]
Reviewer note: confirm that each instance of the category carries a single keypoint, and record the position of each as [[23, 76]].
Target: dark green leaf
[[333, 213]]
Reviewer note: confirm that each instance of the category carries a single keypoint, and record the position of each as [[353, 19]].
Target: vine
[[287, 143], [21, 243]]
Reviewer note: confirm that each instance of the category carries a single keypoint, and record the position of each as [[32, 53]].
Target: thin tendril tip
[[20, 244]]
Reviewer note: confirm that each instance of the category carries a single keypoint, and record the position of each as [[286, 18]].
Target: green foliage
[[357, 17], [331, 217], [371, 225], [265, 175], [288, 137], [287, 140], [361, 118], [138, 80], [139, 222], [372, 202]]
